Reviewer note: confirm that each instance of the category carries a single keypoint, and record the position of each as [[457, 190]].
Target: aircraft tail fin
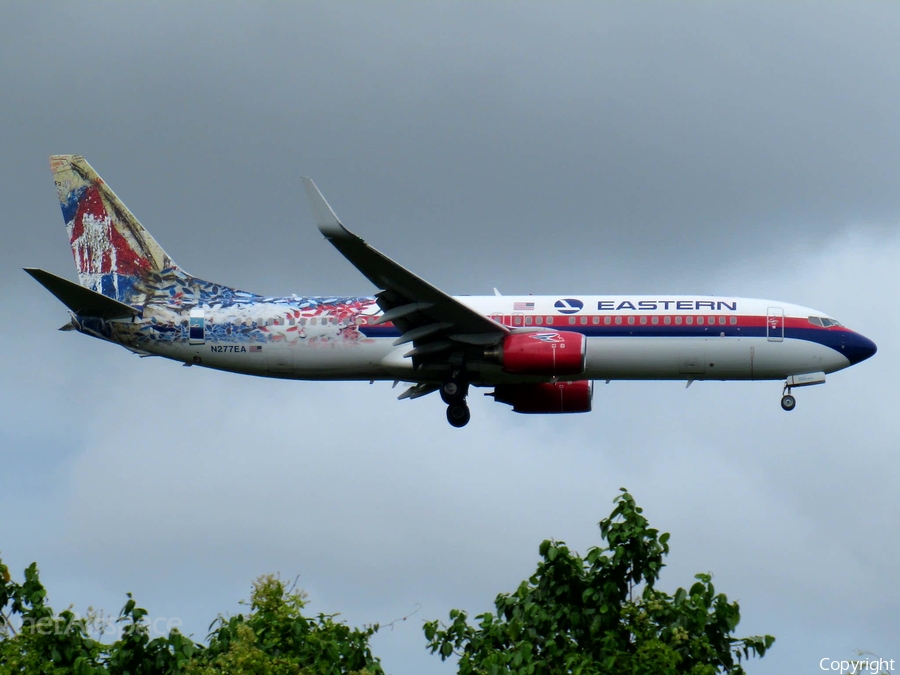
[[112, 250]]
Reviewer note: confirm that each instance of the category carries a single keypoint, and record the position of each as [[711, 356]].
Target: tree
[[273, 639], [601, 614]]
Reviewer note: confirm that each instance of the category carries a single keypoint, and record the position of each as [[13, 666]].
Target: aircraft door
[[691, 361], [196, 327], [775, 324]]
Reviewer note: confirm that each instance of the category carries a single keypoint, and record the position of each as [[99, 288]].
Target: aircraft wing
[[433, 321]]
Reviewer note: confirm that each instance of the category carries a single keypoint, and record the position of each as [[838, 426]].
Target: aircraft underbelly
[[314, 361], [615, 358], [713, 358]]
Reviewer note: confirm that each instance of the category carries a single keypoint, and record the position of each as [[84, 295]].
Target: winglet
[[328, 222]]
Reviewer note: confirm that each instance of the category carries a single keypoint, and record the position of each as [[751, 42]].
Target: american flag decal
[[255, 348], [523, 306]]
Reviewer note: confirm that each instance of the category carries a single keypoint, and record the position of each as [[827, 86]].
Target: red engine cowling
[[544, 353], [547, 397]]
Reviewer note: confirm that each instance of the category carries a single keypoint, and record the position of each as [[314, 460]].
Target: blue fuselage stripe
[[829, 338]]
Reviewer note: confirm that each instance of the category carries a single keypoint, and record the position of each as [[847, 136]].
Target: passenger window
[[312, 321], [607, 320], [584, 321], [733, 321], [721, 320], [572, 320], [699, 321], [540, 320], [527, 320], [618, 320], [689, 320], [549, 320], [643, 320], [655, 320], [595, 320], [667, 320], [630, 320], [678, 320], [517, 320]]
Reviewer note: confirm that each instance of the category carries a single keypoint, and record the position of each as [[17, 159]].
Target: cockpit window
[[824, 321]]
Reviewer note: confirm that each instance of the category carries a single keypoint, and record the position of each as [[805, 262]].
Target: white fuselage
[[628, 338]]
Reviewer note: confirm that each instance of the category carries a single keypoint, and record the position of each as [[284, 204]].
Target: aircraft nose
[[858, 348]]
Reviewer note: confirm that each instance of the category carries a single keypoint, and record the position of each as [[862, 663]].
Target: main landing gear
[[453, 393]]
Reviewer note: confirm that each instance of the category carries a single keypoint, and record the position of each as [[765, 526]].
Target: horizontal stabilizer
[[82, 301]]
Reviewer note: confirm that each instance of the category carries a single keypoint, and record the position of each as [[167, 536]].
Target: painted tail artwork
[[125, 274], [114, 254]]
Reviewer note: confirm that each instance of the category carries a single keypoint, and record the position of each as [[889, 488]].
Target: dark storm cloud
[[652, 147], [652, 132]]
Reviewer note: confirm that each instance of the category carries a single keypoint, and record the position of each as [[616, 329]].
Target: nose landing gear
[[788, 402], [453, 393]]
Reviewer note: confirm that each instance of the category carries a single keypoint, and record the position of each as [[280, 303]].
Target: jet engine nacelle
[[547, 397], [545, 352]]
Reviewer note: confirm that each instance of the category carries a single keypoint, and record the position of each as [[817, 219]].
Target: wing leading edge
[[437, 324]]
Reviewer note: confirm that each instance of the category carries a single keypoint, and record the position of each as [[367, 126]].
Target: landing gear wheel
[[788, 402], [453, 391], [458, 414]]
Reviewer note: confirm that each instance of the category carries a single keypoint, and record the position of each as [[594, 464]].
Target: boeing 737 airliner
[[540, 354]]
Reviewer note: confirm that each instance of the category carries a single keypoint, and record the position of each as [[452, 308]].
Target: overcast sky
[[738, 149]]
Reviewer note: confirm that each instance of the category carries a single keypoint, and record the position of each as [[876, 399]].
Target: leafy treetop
[[601, 614]]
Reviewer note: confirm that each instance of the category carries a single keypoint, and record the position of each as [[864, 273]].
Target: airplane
[[540, 354]]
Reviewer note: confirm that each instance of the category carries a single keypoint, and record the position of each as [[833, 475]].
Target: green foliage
[[601, 614], [136, 654], [46, 642], [274, 639], [579, 616]]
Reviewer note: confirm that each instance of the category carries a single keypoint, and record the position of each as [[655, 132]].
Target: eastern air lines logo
[[568, 306], [546, 337]]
